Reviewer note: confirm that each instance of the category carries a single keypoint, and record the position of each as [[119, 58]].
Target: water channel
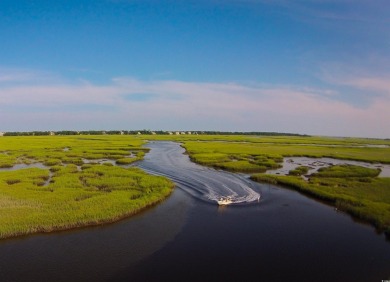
[[284, 236]]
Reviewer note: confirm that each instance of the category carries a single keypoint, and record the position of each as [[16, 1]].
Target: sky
[[318, 67]]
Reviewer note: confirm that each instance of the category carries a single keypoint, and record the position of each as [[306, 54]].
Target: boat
[[224, 201]]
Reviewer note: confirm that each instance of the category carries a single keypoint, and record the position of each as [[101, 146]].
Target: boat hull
[[224, 202]]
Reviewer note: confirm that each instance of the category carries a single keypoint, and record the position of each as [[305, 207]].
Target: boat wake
[[167, 159]]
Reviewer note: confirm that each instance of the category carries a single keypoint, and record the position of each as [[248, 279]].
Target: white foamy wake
[[167, 159]]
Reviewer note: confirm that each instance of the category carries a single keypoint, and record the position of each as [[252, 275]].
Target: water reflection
[[94, 253]]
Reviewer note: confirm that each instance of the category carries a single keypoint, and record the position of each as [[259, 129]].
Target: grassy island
[[68, 182]]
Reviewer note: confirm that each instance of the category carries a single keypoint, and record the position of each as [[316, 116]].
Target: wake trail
[[168, 159]]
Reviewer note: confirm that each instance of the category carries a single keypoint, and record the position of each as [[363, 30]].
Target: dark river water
[[283, 237]]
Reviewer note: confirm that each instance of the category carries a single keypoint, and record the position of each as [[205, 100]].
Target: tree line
[[144, 132]]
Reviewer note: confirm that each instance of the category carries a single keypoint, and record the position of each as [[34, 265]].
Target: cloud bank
[[129, 103]]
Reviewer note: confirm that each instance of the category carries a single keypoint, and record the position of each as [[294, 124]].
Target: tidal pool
[[283, 237], [315, 164]]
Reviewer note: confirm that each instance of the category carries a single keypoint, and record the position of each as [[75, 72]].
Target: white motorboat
[[224, 201]]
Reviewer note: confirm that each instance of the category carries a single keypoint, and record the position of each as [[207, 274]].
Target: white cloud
[[191, 105], [372, 84], [9, 75], [377, 84], [364, 11]]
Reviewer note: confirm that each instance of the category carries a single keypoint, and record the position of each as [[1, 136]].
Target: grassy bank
[[69, 193], [366, 198]]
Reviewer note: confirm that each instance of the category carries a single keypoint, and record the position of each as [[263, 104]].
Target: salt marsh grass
[[78, 194]]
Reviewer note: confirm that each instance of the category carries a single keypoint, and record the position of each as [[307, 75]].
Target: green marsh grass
[[342, 171], [300, 170], [78, 194]]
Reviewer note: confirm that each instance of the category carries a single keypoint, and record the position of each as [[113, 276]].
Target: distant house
[[183, 133], [170, 133], [2, 133], [52, 133], [139, 133], [189, 132], [177, 133], [122, 133], [153, 133]]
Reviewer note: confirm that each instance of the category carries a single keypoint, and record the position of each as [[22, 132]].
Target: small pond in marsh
[[315, 164], [284, 236]]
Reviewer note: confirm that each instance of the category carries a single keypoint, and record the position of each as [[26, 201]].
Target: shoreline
[[335, 201], [56, 229]]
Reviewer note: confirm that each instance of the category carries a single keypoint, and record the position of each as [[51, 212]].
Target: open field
[[63, 192]]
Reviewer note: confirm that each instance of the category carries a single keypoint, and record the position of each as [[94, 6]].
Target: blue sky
[[306, 66]]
